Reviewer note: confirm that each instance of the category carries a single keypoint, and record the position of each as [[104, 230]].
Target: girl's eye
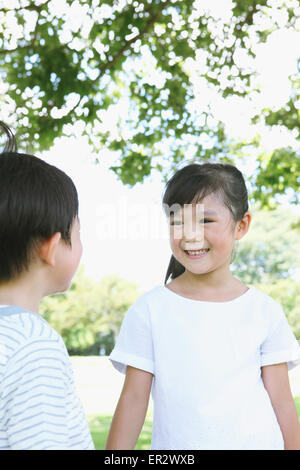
[[176, 222], [179, 222]]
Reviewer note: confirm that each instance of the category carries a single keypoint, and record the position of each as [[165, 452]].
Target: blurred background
[[119, 94]]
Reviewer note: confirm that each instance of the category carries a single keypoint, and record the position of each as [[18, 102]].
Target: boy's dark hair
[[196, 181], [36, 201]]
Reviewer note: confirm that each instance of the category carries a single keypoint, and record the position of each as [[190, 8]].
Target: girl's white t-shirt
[[206, 358]]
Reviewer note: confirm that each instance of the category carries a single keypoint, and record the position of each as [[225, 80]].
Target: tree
[[270, 250], [89, 315], [71, 61], [281, 169]]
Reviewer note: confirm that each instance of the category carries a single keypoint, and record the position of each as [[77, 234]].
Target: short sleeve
[[281, 344], [134, 345], [34, 398]]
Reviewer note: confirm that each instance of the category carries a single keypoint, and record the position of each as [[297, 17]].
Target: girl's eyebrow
[[205, 212], [179, 213]]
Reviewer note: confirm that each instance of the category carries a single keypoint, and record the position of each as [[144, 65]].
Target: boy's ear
[[47, 248]]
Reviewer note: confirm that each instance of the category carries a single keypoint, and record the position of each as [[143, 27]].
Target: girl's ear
[[48, 248], [243, 226]]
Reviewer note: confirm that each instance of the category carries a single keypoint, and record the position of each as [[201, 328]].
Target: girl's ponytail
[[175, 269]]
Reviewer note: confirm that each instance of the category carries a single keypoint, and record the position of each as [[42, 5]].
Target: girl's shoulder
[[149, 296], [152, 300], [249, 298]]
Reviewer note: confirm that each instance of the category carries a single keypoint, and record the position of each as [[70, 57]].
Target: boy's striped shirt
[[39, 406]]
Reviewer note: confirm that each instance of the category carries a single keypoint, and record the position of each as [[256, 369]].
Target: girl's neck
[[205, 294], [213, 286]]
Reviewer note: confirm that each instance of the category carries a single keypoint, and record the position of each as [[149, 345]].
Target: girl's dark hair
[[196, 181], [36, 201]]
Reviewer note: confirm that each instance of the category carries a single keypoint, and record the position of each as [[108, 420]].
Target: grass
[[100, 424], [297, 403]]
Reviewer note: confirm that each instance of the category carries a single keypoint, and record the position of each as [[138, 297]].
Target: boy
[[40, 250]]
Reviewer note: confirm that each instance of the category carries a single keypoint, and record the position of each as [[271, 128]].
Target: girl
[[215, 352]]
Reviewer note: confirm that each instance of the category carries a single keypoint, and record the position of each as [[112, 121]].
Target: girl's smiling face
[[207, 225]]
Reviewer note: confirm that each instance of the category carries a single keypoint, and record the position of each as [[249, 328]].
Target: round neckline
[[242, 296]]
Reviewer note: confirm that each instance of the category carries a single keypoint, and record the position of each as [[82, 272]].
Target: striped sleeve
[[34, 396]]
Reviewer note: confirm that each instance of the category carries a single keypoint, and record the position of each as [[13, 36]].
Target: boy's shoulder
[[19, 327], [24, 321]]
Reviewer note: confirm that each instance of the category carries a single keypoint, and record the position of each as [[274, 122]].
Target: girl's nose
[[193, 231]]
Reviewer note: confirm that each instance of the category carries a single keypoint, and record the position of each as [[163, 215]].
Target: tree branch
[[127, 45], [249, 18]]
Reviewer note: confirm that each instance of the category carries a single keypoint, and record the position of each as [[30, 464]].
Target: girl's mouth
[[193, 254]]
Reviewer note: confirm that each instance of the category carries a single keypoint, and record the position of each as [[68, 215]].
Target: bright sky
[[124, 230]]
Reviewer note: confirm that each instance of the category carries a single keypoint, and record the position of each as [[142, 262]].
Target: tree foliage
[[281, 169], [72, 61], [88, 316], [270, 250]]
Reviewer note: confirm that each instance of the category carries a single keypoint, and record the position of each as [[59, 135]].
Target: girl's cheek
[[176, 232], [179, 235]]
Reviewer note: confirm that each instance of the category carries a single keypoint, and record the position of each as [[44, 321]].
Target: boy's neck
[[31, 305], [22, 293]]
